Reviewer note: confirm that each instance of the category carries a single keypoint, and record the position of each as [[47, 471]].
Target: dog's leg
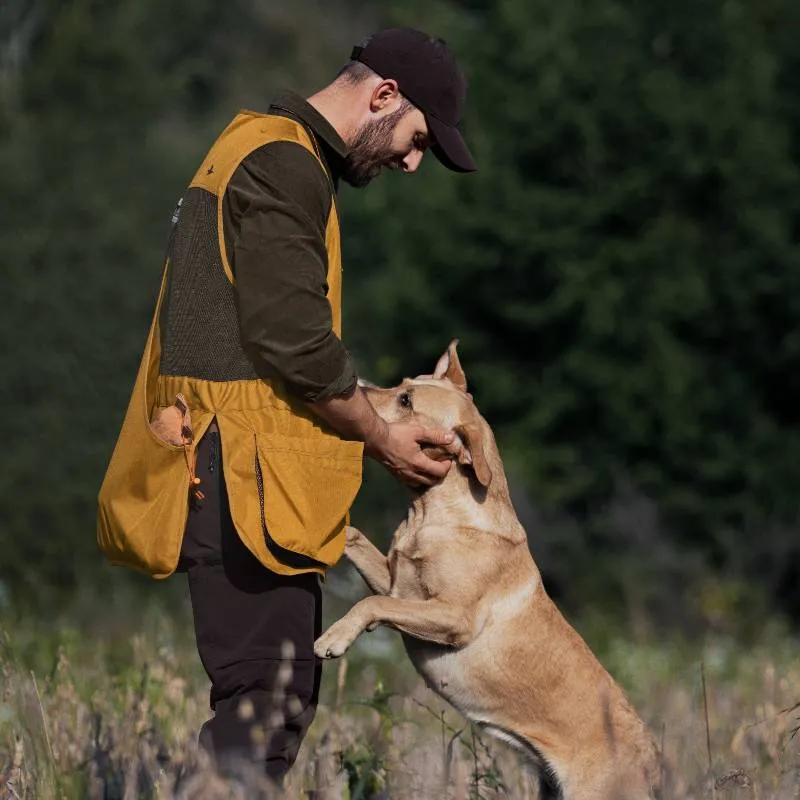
[[430, 620], [368, 560]]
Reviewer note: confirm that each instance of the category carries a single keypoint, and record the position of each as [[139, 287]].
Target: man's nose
[[412, 161]]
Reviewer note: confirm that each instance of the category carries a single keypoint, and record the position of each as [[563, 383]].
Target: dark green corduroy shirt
[[275, 211]]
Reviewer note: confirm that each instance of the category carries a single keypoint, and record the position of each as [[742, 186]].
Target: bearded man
[[248, 332]]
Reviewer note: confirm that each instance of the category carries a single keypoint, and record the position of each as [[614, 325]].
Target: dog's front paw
[[336, 640]]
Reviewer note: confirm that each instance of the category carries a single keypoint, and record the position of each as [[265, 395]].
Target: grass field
[[105, 701]]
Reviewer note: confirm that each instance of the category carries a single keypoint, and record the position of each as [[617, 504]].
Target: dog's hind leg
[[368, 560], [541, 771], [549, 790]]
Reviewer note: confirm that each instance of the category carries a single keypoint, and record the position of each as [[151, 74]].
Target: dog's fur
[[462, 587]]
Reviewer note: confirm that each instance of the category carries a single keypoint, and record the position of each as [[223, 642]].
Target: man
[[249, 334]]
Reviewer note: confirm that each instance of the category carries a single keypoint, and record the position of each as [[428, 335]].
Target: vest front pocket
[[288, 557], [306, 488], [290, 487]]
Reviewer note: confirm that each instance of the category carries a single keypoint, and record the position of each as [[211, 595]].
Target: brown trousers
[[255, 632]]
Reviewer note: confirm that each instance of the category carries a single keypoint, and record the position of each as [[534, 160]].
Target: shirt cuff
[[344, 385]]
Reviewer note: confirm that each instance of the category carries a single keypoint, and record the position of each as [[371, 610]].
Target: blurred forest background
[[623, 272]]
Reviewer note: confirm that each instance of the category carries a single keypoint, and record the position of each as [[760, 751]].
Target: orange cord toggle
[[187, 434]]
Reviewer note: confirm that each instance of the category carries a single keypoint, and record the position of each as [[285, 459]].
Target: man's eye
[[404, 399]]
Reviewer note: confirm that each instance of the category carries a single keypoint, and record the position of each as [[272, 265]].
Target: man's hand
[[398, 445], [399, 448]]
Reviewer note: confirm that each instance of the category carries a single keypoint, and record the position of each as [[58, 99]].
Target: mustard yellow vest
[[290, 479]]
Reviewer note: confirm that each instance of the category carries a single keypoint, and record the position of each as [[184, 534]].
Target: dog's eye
[[404, 399]]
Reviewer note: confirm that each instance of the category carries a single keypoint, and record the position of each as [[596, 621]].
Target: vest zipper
[[213, 452]]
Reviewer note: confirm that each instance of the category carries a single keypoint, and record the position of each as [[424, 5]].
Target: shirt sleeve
[[275, 212]]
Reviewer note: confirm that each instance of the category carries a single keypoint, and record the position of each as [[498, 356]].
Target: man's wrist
[[353, 417], [376, 436]]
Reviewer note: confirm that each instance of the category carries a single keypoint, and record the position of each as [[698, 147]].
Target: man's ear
[[472, 452], [384, 95], [448, 366]]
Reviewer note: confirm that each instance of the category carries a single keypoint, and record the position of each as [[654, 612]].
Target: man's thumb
[[437, 436]]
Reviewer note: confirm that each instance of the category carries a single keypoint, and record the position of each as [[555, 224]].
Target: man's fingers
[[407, 458], [426, 473], [432, 470], [438, 436], [414, 480], [438, 468], [438, 452]]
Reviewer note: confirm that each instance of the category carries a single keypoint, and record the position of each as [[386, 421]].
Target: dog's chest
[[410, 565], [419, 570], [446, 672], [406, 563]]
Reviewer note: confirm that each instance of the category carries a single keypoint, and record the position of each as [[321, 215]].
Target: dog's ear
[[472, 452], [448, 366]]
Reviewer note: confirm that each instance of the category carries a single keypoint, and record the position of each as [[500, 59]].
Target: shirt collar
[[292, 104]]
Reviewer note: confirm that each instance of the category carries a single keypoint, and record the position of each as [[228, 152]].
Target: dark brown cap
[[427, 74]]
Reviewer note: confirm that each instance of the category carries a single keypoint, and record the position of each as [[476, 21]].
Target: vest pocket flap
[[306, 492], [322, 447]]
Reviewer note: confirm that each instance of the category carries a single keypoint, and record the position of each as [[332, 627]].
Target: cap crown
[[424, 68]]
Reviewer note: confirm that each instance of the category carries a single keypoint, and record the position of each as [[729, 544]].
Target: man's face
[[397, 140]]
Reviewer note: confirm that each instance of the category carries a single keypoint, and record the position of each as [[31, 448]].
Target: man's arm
[[275, 212], [395, 445]]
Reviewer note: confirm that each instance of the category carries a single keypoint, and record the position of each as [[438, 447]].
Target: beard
[[371, 150]]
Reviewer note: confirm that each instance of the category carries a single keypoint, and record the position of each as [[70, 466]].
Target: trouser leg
[[255, 632]]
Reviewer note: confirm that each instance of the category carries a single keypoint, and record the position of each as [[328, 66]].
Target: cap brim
[[449, 146]]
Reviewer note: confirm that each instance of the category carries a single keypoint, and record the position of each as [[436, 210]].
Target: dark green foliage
[[623, 272], [92, 176]]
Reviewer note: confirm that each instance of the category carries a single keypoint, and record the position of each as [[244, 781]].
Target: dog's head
[[441, 400]]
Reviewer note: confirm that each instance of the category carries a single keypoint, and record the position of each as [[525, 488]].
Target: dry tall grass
[[101, 716]]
